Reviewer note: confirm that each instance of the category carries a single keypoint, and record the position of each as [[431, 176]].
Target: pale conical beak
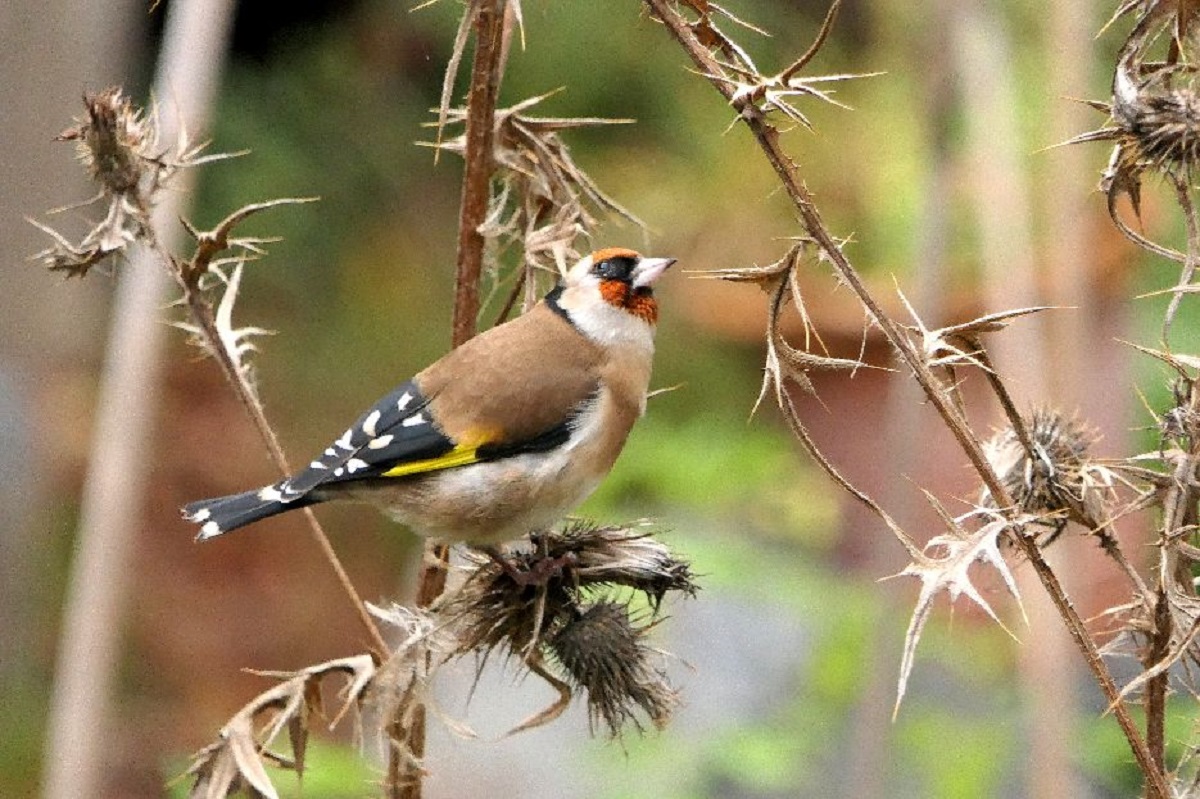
[[649, 270]]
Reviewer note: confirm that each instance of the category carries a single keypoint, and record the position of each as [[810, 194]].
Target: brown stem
[[1183, 196], [486, 70], [202, 315], [1179, 511], [768, 139], [1156, 687]]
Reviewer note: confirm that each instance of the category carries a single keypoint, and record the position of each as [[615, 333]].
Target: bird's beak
[[649, 270]]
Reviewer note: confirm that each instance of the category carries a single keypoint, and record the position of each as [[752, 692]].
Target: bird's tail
[[222, 514]]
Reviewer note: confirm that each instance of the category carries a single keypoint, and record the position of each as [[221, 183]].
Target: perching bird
[[502, 436]]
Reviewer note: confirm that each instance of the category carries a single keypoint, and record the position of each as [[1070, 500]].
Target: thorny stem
[[1179, 510], [202, 314], [768, 139], [1184, 197], [486, 70], [1015, 420]]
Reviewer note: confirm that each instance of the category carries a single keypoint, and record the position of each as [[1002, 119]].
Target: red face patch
[[639, 302]]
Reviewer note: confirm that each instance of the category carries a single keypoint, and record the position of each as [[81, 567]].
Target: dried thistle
[[238, 758], [119, 147], [1154, 112], [543, 199], [1052, 478], [535, 618], [785, 362], [751, 92], [603, 652], [116, 143], [944, 565]]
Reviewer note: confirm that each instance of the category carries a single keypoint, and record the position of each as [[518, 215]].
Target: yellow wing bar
[[459, 456]]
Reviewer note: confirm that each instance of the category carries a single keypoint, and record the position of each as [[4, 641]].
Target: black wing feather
[[397, 429]]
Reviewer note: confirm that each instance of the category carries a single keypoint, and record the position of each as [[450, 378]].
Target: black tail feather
[[222, 514]]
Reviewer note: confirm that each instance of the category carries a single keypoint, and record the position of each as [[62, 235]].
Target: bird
[[505, 434]]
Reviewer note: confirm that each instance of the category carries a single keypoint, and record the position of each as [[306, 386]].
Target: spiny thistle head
[[1056, 477], [1158, 123], [1181, 422], [556, 616], [603, 652], [115, 142], [494, 611]]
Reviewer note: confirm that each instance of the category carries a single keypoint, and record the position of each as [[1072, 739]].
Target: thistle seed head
[[1161, 127], [602, 651], [115, 143], [1056, 477]]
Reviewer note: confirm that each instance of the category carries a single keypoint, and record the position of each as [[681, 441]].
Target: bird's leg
[[539, 574]]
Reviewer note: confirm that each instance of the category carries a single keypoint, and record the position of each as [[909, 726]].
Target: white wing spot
[[331, 453], [338, 471], [354, 464], [381, 442], [209, 530], [200, 515], [317, 465], [404, 400], [344, 441], [270, 494], [369, 423], [414, 420]]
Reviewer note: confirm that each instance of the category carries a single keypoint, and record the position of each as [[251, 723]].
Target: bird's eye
[[614, 268]]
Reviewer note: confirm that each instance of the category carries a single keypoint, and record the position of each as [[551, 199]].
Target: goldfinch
[[502, 436]]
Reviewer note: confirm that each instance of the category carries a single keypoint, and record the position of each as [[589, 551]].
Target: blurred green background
[[787, 660]]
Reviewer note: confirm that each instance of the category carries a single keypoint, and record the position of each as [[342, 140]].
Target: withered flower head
[[115, 142], [542, 602], [602, 651], [1158, 120], [494, 610], [118, 147], [1056, 477], [1181, 422]]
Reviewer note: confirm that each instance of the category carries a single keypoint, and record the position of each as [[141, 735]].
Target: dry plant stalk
[[119, 147], [1037, 474]]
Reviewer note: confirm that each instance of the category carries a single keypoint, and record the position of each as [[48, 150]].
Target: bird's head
[[609, 294]]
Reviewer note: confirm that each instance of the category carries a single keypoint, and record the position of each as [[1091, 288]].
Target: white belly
[[496, 501]]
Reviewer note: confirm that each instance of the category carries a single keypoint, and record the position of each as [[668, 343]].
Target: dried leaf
[[239, 754], [957, 550], [239, 738]]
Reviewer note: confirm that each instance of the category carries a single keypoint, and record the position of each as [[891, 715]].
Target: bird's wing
[[504, 392], [396, 430]]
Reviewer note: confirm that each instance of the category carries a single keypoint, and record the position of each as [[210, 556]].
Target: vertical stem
[[486, 71]]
